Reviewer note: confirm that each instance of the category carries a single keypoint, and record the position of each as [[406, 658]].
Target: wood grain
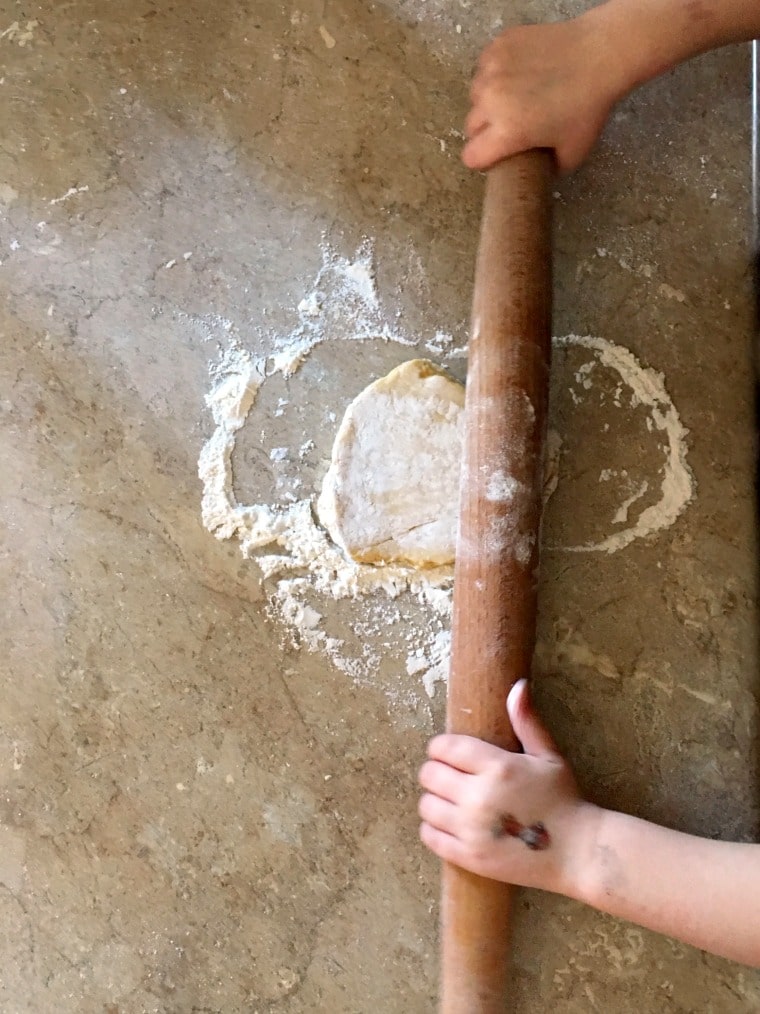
[[494, 618]]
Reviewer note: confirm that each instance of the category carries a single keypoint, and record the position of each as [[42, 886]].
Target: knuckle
[[477, 854], [482, 807], [501, 770], [482, 802], [509, 131], [495, 51], [486, 58]]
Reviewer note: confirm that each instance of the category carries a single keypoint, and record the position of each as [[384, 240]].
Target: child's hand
[[544, 86], [471, 787]]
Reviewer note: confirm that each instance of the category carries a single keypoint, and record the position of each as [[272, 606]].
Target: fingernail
[[516, 689]]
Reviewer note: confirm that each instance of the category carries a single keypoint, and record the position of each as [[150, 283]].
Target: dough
[[391, 494]]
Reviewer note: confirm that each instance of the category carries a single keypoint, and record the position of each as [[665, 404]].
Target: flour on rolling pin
[[502, 488], [391, 493]]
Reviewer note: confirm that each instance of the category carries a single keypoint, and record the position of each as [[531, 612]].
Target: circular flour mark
[[677, 485]]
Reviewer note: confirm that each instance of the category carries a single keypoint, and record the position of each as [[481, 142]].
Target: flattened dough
[[391, 494]]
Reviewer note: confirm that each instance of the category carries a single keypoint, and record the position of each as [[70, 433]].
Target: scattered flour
[[296, 554], [22, 35], [432, 662], [670, 293], [327, 38], [71, 192], [289, 547]]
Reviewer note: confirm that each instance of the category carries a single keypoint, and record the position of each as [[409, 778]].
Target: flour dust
[[385, 626]]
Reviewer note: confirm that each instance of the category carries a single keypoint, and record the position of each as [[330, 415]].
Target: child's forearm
[[655, 35], [703, 892]]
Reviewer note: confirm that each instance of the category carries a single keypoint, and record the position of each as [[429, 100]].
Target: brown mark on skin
[[612, 879], [536, 836]]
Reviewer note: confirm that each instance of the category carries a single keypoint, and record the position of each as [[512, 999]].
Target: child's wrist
[[618, 33], [647, 38], [579, 876]]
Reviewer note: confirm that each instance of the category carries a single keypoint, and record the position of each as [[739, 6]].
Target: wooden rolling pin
[[494, 618]]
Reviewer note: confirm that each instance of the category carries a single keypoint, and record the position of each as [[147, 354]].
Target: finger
[[485, 149], [568, 160], [479, 87], [489, 62], [476, 89], [438, 813], [465, 753], [444, 780], [535, 740], [475, 122], [446, 846]]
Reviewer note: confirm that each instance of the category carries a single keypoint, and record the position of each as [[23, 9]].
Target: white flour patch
[[209, 325], [501, 488], [71, 192], [327, 38], [289, 546], [22, 35], [621, 515], [677, 486], [432, 664], [381, 625]]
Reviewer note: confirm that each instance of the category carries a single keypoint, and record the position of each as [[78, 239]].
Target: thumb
[[526, 723]]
